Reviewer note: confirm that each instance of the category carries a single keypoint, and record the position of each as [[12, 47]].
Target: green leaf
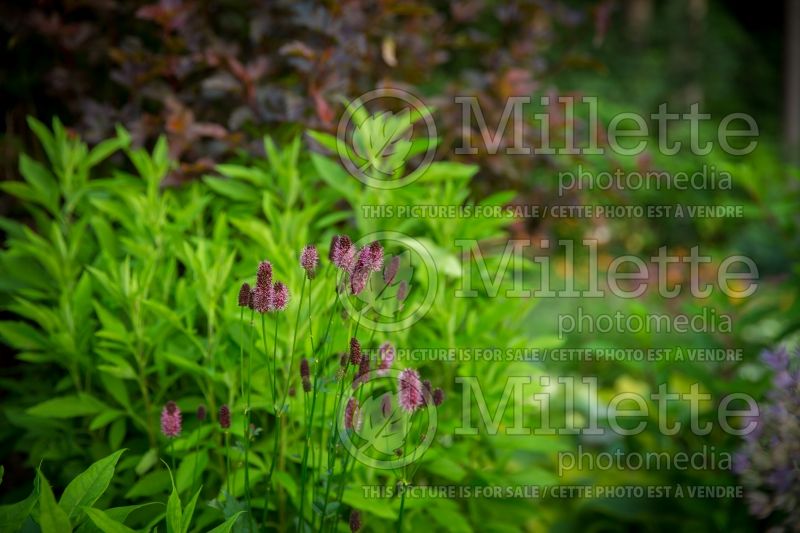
[[105, 523], [191, 468], [235, 190], [149, 485], [147, 461], [52, 519], [22, 336], [13, 515], [227, 525], [174, 512], [104, 150], [117, 514], [45, 137], [88, 486], [186, 519], [104, 419], [67, 407], [383, 432], [42, 182]]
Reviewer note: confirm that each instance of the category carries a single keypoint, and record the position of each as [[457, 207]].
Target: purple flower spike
[[281, 296], [355, 521], [309, 260], [305, 375], [386, 404], [224, 417], [777, 359], [387, 352], [390, 271], [363, 370], [171, 423], [201, 412], [376, 256], [244, 295], [427, 392], [355, 352], [410, 393], [371, 257], [263, 299], [402, 291], [359, 278], [342, 252], [351, 414], [438, 397], [264, 275]]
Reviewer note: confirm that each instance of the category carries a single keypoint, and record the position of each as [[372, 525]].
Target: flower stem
[[402, 509], [196, 459], [228, 462], [304, 470], [172, 453], [246, 380], [289, 373], [270, 372]]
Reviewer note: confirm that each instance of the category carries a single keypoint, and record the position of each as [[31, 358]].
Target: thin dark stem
[[402, 508], [228, 462], [196, 459], [275, 367], [307, 442], [294, 342], [172, 453], [275, 431], [270, 383]]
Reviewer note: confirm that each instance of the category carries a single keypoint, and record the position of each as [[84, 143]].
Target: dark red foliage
[[214, 76]]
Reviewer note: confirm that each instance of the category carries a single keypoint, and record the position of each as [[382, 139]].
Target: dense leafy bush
[[214, 76], [124, 293]]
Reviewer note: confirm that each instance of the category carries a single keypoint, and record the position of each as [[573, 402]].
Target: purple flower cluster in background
[[768, 463]]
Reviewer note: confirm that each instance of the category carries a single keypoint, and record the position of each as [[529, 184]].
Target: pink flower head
[[352, 418], [371, 257], [305, 373], [386, 404], [263, 298], [280, 295], [410, 393], [426, 391], [264, 275], [359, 278], [438, 397], [224, 416], [171, 423], [390, 270], [363, 370], [355, 521], [309, 260], [355, 352], [342, 252], [244, 295], [387, 352], [402, 291]]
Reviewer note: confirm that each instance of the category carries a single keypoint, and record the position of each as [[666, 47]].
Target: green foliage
[[129, 287]]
